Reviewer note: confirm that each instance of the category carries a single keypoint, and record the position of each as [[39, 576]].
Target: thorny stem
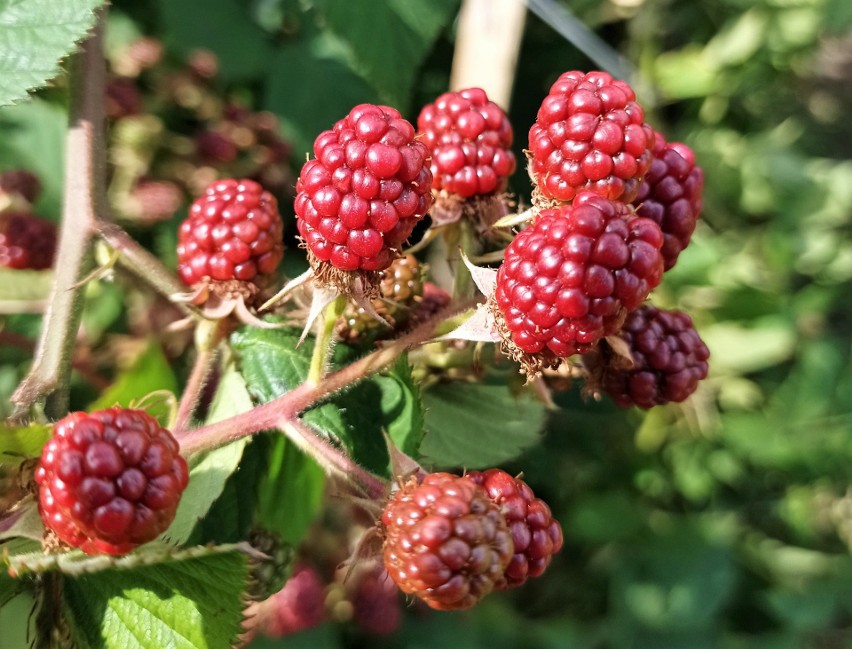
[[290, 405], [322, 345], [79, 363], [208, 336], [331, 458], [85, 180], [142, 263], [468, 244]]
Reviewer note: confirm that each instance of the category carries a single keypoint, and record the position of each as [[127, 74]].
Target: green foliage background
[[726, 522]]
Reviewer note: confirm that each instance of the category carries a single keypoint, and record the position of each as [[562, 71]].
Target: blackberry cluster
[[26, 241], [470, 139], [233, 233], [590, 134], [358, 201], [446, 542], [172, 133], [571, 278], [451, 540], [669, 359], [671, 195], [110, 480], [400, 291]]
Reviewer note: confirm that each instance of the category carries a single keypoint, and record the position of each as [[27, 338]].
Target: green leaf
[[408, 30], [191, 604], [34, 139], [24, 286], [478, 425], [23, 523], [16, 606], [272, 365], [605, 517], [149, 372], [291, 492], [210, 471], [304, 115], [402, 407], [21, 442], [234, 513], [677, 581], [739, 349], [34, 36], [223, 27]]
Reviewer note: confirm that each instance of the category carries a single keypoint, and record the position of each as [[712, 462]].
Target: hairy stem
[[208, 336], [322, 345], [85, 180], [291, 404], [333, 460], [142, 263]]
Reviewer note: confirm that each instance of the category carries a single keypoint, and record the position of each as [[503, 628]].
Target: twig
[[85, 179], [291, 404], [207, 352], [323, 342], [142, 263], [332, 459]]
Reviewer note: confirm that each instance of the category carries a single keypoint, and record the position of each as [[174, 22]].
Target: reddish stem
[[288, 406], [331, 458]]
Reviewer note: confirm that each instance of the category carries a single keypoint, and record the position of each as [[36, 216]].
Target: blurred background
[[723, 522]]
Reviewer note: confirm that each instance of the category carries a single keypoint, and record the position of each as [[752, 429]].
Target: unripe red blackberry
[[400, 289], [214, 147], [669, 359], [300, 605], [152, 201], [376, 606], [110, 480], [122, 98], [536, 535], [470, 139], [570, 278], [590, 134], [445, 541], [433, 301], [358, 201], [20, 182], [26, 241], [671, 195], [233, 233]]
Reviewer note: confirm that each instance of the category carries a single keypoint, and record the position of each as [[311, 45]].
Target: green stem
[[323, 343], [290, 405], [85, 180], [468, 244]]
